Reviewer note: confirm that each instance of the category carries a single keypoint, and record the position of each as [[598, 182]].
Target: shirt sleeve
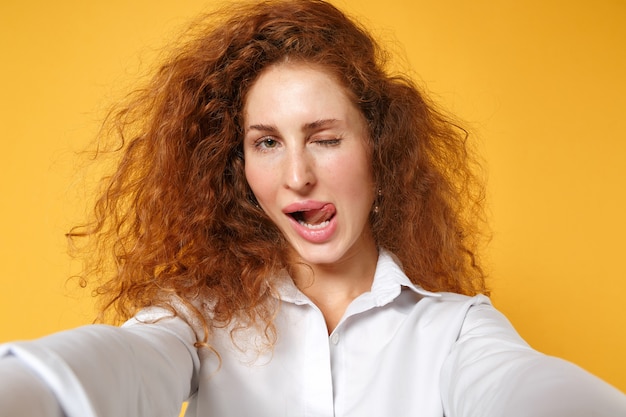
[[148, 367], [492, 372], [23, 393]]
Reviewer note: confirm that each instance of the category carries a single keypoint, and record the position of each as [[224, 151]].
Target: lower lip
[[315, 235]]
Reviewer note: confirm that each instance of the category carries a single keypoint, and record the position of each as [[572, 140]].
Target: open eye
[[266, 143]]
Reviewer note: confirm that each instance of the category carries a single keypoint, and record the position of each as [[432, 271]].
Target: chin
[[314, 255], [328, 255]]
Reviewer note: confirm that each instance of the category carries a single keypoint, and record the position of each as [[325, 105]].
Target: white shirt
[[398, 351]]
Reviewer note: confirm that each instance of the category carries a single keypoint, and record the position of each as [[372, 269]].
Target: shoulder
[[474, 318], [461, 324], [452, 306]]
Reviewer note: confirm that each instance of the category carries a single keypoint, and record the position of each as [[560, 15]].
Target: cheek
[[258, 180], [354, 175], [251, 177]]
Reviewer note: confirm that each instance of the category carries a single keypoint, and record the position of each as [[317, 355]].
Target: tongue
[[319, 215]]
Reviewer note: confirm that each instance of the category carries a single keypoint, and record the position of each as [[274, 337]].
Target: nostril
[[300, 182]]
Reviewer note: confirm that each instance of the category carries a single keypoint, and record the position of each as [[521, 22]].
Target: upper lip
[[304, 206]]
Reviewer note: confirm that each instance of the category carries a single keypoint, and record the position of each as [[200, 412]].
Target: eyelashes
[[268, 143], [328, 142]]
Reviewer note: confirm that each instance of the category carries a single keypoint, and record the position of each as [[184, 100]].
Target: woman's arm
[[138, 370], [492, 372], [23, 393]]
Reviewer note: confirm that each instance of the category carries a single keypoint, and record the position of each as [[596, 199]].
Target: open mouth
[[314, 218]]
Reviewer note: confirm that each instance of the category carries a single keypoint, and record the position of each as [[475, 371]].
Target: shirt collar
[[389, 279]]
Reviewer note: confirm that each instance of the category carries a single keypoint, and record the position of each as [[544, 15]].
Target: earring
[[376, 202], [252, 199]]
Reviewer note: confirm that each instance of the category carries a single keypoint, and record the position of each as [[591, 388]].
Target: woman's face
[[307, 160]]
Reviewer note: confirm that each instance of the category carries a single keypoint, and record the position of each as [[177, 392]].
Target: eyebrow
[[263, 128], [319, 124], [307, 127]]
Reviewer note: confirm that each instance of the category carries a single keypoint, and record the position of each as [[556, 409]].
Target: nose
[[299, 171]]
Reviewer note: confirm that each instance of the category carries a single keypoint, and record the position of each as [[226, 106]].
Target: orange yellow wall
[[540, 83]]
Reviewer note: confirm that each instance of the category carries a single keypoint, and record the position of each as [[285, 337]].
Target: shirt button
[[334, 338]]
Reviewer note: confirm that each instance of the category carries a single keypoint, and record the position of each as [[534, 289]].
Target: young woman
[[293, 233]]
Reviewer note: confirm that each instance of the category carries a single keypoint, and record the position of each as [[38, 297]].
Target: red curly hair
[[177, 216]]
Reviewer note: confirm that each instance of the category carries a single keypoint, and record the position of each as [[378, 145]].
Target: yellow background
[[542, 84]]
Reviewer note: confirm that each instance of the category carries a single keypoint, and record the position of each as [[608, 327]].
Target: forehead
[[297, 87]]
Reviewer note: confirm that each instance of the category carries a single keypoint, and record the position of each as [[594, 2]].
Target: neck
[[333, 287]]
